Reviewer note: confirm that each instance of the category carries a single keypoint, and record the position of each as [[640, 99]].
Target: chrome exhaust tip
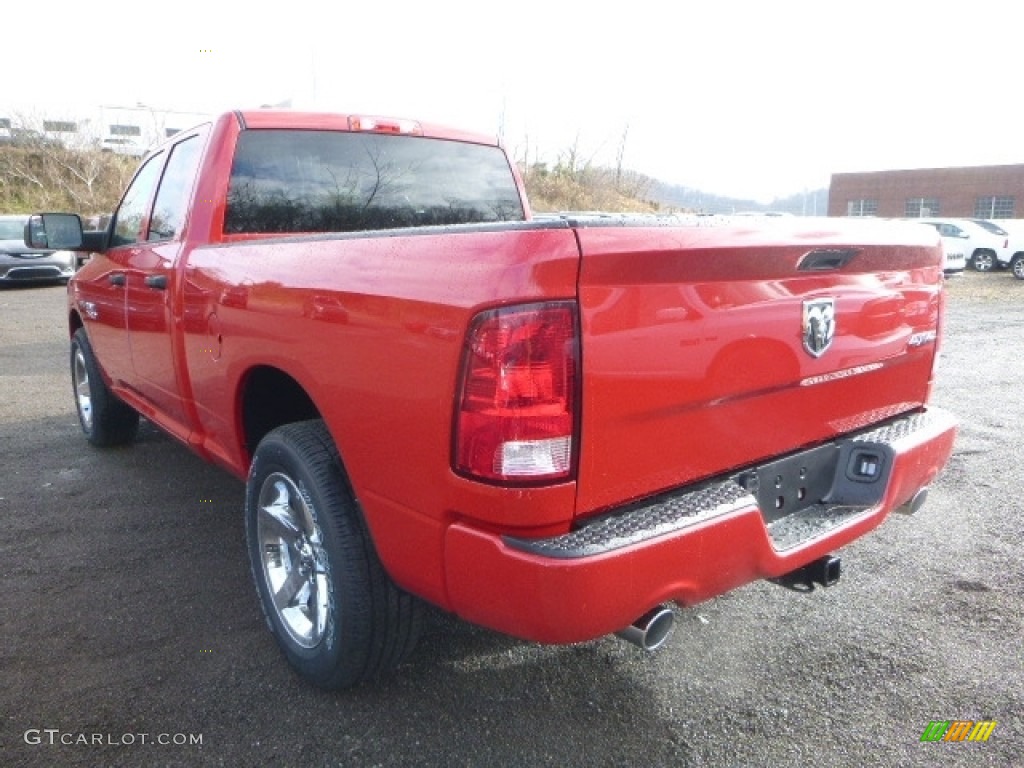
[[915, 503], [824, 571], [651, 630]]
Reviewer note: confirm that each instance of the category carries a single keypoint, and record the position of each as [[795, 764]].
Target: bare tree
[[40, 172], [619, 153]]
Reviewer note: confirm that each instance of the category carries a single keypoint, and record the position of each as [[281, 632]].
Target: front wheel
[[105, 419], [335, 613], [984, 261], [1017, 265]]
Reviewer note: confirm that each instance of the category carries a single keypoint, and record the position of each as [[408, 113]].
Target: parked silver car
[[21, 264]]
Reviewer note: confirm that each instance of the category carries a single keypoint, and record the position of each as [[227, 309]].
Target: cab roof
[[329, 121]]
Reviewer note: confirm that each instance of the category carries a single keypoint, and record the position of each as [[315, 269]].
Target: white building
[[125, 130]]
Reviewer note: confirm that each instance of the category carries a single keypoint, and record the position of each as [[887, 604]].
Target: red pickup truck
[[553, 428]]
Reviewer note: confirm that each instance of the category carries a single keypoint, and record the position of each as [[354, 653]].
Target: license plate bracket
[[847, 472]]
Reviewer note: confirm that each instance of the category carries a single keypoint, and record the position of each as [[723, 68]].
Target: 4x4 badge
[[819, 326]]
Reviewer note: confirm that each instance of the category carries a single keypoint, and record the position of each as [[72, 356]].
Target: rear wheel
[[104, 418], [1017, 265], [334, 611], [984, 261]]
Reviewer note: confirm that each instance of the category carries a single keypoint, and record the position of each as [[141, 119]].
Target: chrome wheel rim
[[1018, 268], [83, 392], [293, 560]]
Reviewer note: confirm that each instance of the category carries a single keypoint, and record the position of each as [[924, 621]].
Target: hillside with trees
[[38, 174], [42, 175], [567, 187], [46, 176]]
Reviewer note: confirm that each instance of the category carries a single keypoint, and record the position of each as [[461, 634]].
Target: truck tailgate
[[708, 349]]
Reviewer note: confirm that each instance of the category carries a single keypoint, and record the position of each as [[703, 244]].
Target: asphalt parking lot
[[132, 634]]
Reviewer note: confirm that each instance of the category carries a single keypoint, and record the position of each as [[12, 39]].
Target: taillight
[[516, 418]]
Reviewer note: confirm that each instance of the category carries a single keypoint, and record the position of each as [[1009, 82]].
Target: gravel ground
[[128, 616]]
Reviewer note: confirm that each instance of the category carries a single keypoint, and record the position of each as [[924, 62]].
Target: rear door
[[150, 285]]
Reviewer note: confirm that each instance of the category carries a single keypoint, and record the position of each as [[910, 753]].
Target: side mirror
[[58, 231]]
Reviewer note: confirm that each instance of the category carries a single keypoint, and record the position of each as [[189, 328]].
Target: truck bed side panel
[[372, 328]]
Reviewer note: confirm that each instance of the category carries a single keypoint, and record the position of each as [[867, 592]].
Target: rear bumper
[[685, 546]]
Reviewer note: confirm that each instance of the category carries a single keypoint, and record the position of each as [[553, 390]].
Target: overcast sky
[[743, 98]]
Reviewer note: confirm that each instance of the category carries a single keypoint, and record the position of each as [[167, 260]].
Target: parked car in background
[[983, 247], [78, 258], [1015, 249], [954, 247], [19, 263]]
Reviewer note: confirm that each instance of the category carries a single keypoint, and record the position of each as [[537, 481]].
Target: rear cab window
[[306, 181]]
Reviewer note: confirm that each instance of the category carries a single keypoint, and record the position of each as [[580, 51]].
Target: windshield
[[995, 229], [335, 181], [12, 229]]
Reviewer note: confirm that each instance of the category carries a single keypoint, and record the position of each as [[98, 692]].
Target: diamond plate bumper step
[[800, 497]]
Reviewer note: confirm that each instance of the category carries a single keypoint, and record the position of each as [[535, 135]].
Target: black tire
[[1017, 265], [338, 618], [105, 419], [983, 261]]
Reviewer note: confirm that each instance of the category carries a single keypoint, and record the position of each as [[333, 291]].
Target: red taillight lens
[[516, 418]]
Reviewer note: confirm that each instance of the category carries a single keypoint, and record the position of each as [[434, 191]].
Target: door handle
[[156, 281], [116, 278]]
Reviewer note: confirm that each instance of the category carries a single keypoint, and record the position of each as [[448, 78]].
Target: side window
[[131, 214], [172, 197]]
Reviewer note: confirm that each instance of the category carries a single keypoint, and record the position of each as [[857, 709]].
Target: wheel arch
[[74, 322], [269, 398]]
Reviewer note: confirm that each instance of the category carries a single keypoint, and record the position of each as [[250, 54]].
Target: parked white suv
[[954, 247], [983, 248], [1014, 258]]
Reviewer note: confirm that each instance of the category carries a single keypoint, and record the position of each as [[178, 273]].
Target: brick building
[[984, 192]]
